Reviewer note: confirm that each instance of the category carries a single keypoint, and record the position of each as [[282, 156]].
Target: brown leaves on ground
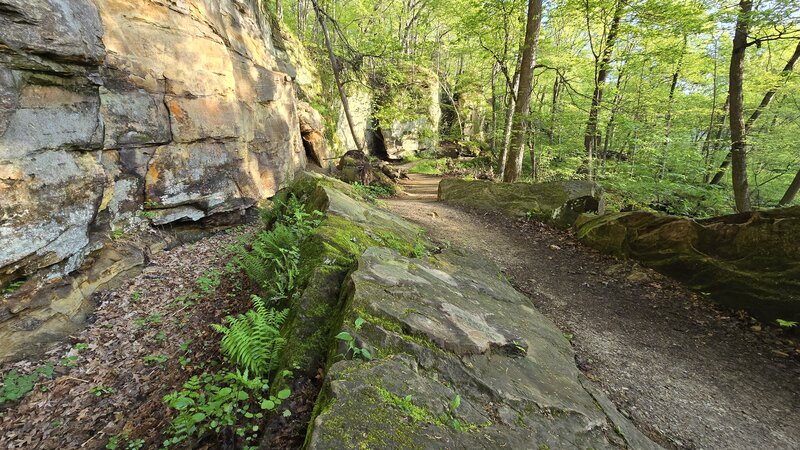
[[145, 339]]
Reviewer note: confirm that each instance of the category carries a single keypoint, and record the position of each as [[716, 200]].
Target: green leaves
[[253, 340], [352, 347], [344, 336]]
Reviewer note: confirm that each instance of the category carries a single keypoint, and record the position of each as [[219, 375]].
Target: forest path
[[689, 375]]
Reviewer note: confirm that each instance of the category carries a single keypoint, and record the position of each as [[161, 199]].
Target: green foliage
[[430, 167], [273, 256], [371, 192], [13, 287], [226, 400], [253, 340], [786, 323], [123, 442], [352, 348], [16, 385], [100, 390], [209, 281]]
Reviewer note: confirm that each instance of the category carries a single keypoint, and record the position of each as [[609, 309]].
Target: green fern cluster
[[253, 340], [272, 260]]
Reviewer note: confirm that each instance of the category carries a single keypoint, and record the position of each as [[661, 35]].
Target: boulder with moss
[[348, 227], [557, 202], [747, 261], [455, 358]]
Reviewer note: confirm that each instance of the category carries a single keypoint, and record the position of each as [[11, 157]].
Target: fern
[[253, 340], [272, 260]]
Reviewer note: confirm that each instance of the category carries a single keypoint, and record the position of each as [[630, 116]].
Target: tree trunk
[[591, 138], [516, 149], [336, 76], [791, 191], [741, 190], [279, 9], [759, 110], [509, 120], [494, 109]]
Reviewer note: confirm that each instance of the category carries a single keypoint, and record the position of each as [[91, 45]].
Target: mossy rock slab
[[349, 226], [558, 202], [450, 326], [747, 261]]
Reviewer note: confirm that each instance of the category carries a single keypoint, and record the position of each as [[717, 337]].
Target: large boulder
[[557, 202], [312, 128], [459, 360], [747, 261], [118, 114]]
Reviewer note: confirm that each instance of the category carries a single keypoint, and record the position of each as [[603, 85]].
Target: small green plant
[[160, 337], [209, 281], [147, 215], [370, 192], [253, 340], [116, 443], [352, 347], [136, 296], [16, 385], [13, 287], [449, 416], [419, 250], [152, 319], [101, 390], [786, 323], [119, 233], [68, 361], [155, 359], [81, 346], [225, 400]]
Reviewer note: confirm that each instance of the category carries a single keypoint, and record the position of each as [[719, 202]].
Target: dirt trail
[[690, 375]]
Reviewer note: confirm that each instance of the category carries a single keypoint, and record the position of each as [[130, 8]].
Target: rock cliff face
[[114, 114]]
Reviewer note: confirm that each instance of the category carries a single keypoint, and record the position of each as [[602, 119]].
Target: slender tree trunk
[[516, 150], [759, 110], [591, 138], [741, 190], [494, 109], [279, 9], [554, 108], [791, 191], [509, 121], [668, 115], [337, 77]]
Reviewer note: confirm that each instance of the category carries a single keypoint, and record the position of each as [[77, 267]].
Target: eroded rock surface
[[556, 202], [449, 326], [114, 114], [437, 328], [747, 261]]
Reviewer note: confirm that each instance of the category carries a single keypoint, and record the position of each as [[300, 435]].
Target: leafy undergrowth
[[146, 337]]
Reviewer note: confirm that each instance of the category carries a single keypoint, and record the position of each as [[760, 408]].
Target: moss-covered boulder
[[557, 202], [456, 358], [348, 227], [747, 261]]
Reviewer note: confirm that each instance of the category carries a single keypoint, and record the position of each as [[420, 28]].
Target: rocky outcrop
[[460, 360], [393, 119], [115, 113], [360, 102], [312, 130], [747, 261], [451, 355], [557, 202]]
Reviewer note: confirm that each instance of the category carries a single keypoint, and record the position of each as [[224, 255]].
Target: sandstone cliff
[[115, 115]]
